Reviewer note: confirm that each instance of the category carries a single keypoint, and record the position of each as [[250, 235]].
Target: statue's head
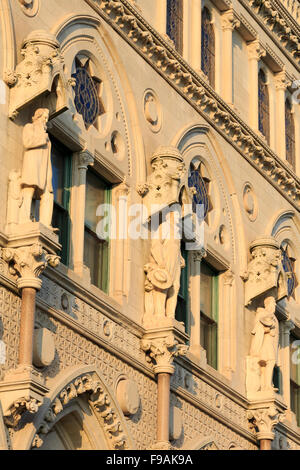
[[270, 304], [41, 114]]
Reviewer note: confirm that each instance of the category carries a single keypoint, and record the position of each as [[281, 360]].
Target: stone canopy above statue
[[39, 73], [164, 183], [265, 270]]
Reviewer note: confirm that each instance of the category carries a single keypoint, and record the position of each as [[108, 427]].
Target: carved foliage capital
[[85, 159], [256, 51], [282, 81], [263, 420], [229, 20], [199, 255], [161, 352], [28, 263]]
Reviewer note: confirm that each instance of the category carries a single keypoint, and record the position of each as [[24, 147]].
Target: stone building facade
[[116, 114]]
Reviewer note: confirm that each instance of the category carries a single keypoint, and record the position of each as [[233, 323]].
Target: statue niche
[[35, 180]]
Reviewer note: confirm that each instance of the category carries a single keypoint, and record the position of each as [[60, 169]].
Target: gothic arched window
[[289, 133], [263, 106], [87, 91], [175, 23], [288, 264], [200, 184], [208, 47]]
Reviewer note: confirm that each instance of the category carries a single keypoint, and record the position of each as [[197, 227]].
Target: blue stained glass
[[87, 100], [201, 196], [288, 268]]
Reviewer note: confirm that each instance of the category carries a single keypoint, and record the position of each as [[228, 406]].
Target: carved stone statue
[[163, 276], [265, 342], [36, 178]]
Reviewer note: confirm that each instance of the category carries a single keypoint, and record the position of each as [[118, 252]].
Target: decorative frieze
[[133, 27], [278, 24]]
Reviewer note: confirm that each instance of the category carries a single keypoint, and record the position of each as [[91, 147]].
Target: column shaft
[[163, 406], [27, 326]]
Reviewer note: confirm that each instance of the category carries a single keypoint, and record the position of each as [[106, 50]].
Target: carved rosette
[[18, 408], [161, 352], [99, 401], [263, 421], [28, 263]]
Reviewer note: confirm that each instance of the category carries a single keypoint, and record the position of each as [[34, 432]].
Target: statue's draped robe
[[37, 171]]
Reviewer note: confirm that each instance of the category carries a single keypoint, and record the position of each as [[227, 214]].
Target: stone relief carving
[[264, 349], [265, 270], [40, 72]]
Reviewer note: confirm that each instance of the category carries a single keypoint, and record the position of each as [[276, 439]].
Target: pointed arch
[[78, 389], [263, 105], [208, 46], [290, 134]]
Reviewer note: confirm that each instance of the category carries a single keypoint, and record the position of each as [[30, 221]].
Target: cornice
[[128, 22], [278, 24]]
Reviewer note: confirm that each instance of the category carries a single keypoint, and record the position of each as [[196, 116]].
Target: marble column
[[229, 23], [255, 53]]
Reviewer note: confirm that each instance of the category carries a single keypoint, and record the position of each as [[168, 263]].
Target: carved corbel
[[18, 408], [161, 352], [28, 263], [263, 421]]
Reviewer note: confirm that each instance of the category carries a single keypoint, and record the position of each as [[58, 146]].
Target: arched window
[[288, 264], [175, 23], [200, 183], [87, 92], [289, 133], [208, 47], [263, 106]]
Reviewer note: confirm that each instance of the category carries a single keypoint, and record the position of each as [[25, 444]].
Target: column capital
[[282, 81], [161, 351], [263, 421], [28, 263], [85, 159], [256, 50], [229, 20], [122, 190], [199, 255], [228, 277]]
